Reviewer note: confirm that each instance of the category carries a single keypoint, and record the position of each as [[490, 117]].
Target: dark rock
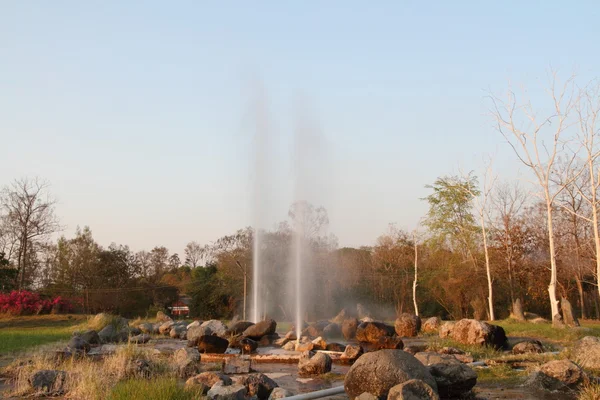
[[413, 389], [77, 343], [379, 371], [259, 385], [316, 329], [212, 344], [237, 365], [291, 335], [415, 348], [335, 347], [248, 345], [332, 331], [91, 337], [134, 331], [390, 342], [453, 378], [528, 346], [431, 325], [178, 332], [48, 381], [370, 332], [239, 327], [314, 363], [260, 329], [349, 327], [407, 325], [470, 331], [268, 340], [280, 342], [108, 334], [558, 375], [208, 379], [140, 339]]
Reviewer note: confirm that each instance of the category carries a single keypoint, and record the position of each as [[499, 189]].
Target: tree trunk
[[23, 263], [245, 286], [414, 286], [581, 297], [487, 270], [554, 303]]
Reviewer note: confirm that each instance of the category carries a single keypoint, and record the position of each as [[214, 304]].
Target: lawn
[[21, 333], [548, 332]]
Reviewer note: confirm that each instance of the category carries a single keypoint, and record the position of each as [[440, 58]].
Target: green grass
[[549, 332], [478, 352], [22, 333], [500, 374], [157, 389]]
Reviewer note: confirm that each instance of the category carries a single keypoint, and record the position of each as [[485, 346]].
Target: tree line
[[484, 244]]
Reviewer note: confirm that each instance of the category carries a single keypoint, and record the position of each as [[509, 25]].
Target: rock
[[407, 325], [280, 342], [259, 385], [91, 337], [268, 340], [140, 339], [367, 396], [260, 329], [351, 353], [186, 362], [134, 331], [214, 327], [335, 347], [291, 335], [316, 329], [301, 347], [457, 353], [289, 346], [370, 332], [212, 344], [230, 392], [165, 327], [146, 327], [314, 363], [237, 365], [332, 331], [413, 389], [446, 329], [162, 317], [415, 348], [528, 346], [48, 381], [431, 325], [178, 332], [470, 331], [379, 371], [248, 345], [453, 378], [349, 328], [390, 342], [193, 324], [568, 315], [139, 368], [239, 327], [208, 379], [108, 334], [517, 311], [558, 375], [586, 352], [280, 393], [319, 344], [77, 343], [155, 328]]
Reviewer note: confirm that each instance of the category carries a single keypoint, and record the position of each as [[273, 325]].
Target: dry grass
[[86, 378], [589, 392]]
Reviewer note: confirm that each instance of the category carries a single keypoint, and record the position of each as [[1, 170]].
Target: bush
[[23, 302], [158, 389]]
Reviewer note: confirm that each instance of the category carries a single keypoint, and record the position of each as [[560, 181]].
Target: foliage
[[23, 302], [159, 389]]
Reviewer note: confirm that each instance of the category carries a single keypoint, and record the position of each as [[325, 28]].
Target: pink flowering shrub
[[23, 302]]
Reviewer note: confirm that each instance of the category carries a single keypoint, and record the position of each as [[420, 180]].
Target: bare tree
[[29, 211], [537, 142], [194, 254], [414, 286]]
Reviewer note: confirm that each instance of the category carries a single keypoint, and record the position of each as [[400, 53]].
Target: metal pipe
[[318, 394]]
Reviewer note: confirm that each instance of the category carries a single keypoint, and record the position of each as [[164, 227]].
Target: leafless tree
[[194, 253], [537, 141], [29, 212]]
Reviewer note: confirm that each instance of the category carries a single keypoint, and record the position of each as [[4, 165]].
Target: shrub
[[23, 302]]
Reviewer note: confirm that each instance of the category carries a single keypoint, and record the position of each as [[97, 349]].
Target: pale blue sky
[[138, 112]]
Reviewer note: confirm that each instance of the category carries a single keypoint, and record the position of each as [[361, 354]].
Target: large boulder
[[389, 342], [248, 345], [186, 362], [214, 327], [165, 328], [379, 371], [586, 352], [371, 332], [194, 323], [91, 337], [471, 331], [219, 391], [212, 344], [558, 375], [237, 365], [146, 327], [207, 380], [349, 328], [528, 346], [407, 325], [431, 325], [48, 381], [239, 327], [109, 334], [78, 344], [453, 378], [260, 329], [413, 389], [314, 363], [446, 329], [178, 332], [316, 329], [258, 385]]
